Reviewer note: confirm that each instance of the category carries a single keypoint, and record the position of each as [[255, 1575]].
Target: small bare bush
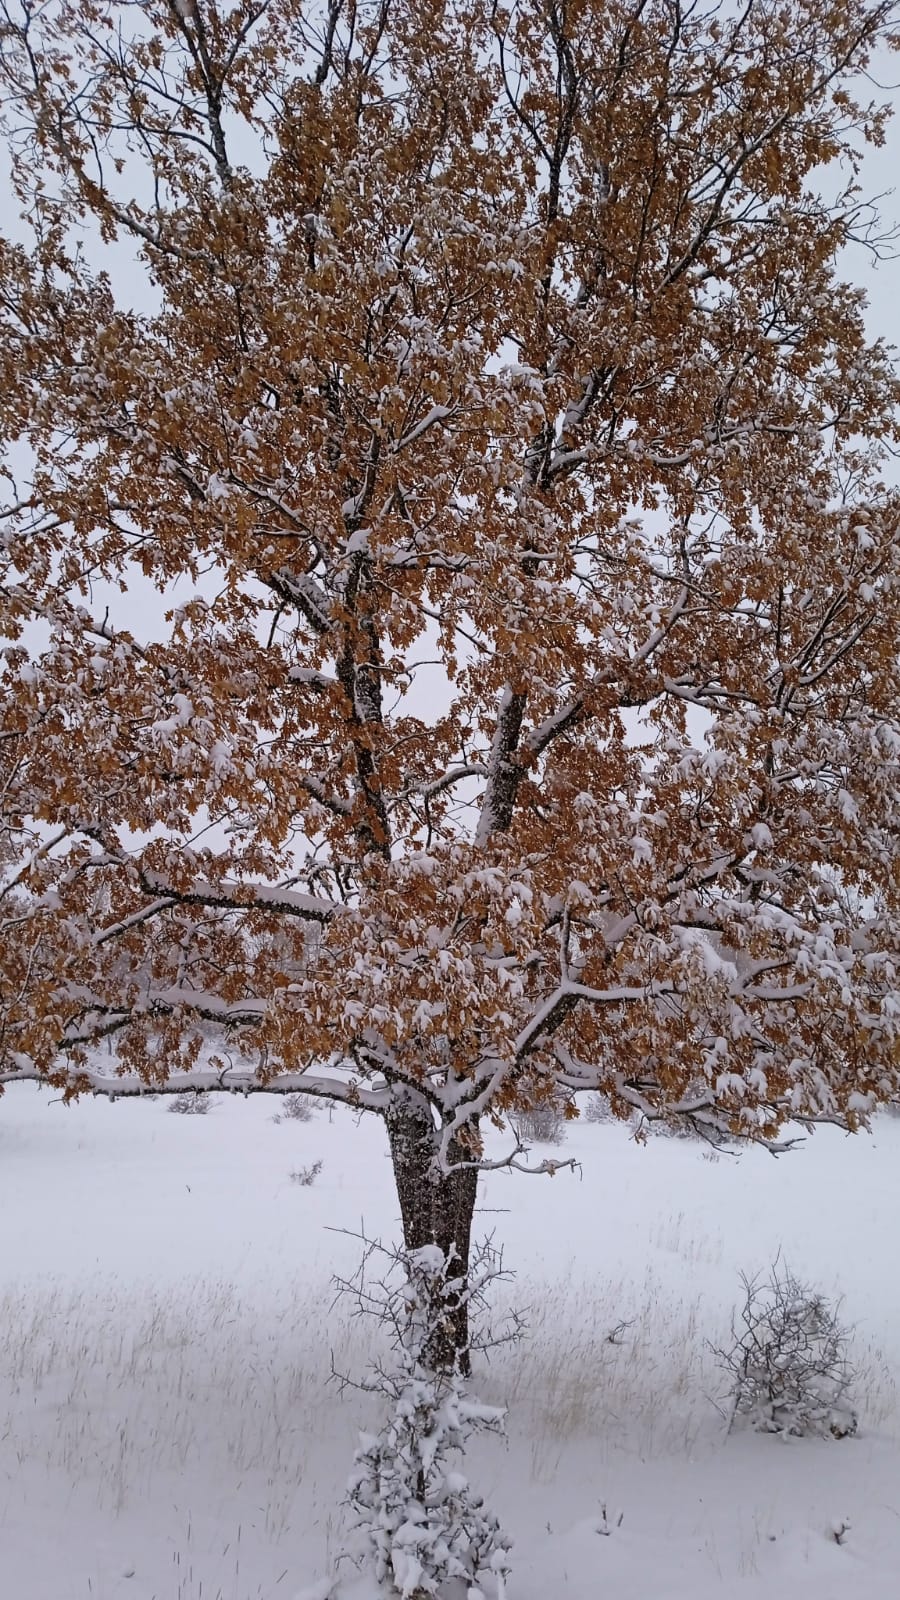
[[788, 1366], [190, 1103], [542, 1123], [306, 1176], [597, 1109], [294, 1108], [671, 1128]]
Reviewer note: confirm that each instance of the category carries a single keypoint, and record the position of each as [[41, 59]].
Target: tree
[[475, 389]]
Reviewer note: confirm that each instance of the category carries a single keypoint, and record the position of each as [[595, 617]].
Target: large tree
[[475, 389]]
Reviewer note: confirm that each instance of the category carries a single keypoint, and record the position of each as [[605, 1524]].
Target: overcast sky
[[881, 175]]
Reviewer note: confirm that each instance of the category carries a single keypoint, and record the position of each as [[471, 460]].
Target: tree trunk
[[436, 1208]]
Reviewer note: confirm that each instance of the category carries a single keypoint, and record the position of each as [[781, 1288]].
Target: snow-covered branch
[[213, 1080], [243, 897]]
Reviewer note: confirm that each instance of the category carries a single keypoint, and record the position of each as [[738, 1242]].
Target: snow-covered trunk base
[[437, 1209]]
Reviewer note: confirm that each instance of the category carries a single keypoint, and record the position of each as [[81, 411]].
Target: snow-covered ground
[[167, 1327]]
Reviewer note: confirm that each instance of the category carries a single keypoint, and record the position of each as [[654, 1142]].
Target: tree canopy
[[449, 567]]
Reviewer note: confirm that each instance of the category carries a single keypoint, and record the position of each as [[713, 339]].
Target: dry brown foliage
[[451, 590]]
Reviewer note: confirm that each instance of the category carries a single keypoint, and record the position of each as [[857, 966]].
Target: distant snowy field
[[167, 1327]]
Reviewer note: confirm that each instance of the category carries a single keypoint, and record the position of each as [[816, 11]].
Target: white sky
[[881, 176]]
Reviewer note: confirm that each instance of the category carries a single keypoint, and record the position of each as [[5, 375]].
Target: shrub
[[597, 1109], [294, 1108], [420, 1530], [542, 1123], [190, 1103], [788, 1367], [306, 1176]]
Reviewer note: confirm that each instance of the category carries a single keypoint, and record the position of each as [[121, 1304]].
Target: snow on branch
[[243, 897], [210, 1080]]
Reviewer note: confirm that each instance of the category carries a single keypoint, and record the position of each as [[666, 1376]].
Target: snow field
[[168, 1328]]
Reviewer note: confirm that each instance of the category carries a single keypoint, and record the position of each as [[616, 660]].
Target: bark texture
[[436, 1208]]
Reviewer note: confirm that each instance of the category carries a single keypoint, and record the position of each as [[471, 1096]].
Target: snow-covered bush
[[306, 1176], [294, 1108], [669, 1128], [788, 1366], [542, 1123], [597, 1109], [190, 1104], [420, 1530]]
